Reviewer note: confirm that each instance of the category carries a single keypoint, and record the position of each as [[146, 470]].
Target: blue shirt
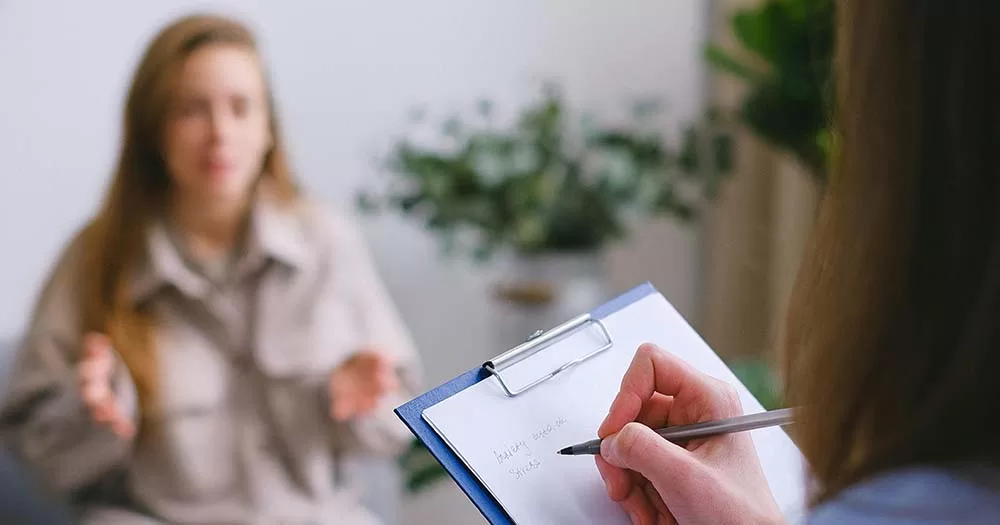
[[916, 496]]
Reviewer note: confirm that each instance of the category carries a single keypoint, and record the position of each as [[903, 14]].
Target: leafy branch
[[787, 64], [549, 182]]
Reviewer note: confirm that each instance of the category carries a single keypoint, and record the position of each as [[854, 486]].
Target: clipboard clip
[[540, 340]]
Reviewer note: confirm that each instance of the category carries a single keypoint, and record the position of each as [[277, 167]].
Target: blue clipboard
[[411, 412]]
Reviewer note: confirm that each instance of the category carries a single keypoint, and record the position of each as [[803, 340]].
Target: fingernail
[[607, 444]]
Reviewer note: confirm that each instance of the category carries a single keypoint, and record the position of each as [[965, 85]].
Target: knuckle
[[720, 398], [729, 399], [628, 403], [631, 441]]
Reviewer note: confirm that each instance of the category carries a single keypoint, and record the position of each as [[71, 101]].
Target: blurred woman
[[894, 325], [212, 344]]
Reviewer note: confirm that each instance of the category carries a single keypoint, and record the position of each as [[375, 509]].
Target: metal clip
[[536, 342]]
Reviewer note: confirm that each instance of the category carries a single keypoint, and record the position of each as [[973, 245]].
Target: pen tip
[[565, 451]]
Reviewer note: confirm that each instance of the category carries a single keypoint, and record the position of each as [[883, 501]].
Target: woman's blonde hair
[[114, 241]]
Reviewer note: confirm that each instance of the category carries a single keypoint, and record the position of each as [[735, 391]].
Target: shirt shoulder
[[915, 496], [324, 223]]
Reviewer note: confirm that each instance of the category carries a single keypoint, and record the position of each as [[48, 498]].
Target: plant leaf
[[538, 186], [755, 29], [727, 63]]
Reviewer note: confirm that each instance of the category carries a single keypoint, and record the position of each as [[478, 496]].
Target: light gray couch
[[21, 502]]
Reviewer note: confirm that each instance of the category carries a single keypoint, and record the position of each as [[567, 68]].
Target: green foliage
[[760, 380], [549, 182], [789, 74], [420, 467]]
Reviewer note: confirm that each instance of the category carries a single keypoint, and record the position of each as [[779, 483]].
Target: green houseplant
[[548, 182], [786, 62]]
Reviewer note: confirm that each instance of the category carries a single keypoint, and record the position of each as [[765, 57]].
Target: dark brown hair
[[114, 241], [893, 346]]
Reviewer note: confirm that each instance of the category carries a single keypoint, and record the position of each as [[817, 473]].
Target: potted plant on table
[[548, 192]]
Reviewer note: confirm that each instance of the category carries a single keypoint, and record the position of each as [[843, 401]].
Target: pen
[[681, 433]]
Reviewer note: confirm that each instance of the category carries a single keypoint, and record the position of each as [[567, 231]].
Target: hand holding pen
[[717, 480]]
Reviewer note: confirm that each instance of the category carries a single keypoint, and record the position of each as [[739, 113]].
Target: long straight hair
[[114, 241], [893, 342]]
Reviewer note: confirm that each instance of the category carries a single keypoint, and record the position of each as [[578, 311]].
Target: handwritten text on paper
[[518, 456]]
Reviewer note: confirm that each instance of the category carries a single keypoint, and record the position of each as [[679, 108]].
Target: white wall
[[346, 73]]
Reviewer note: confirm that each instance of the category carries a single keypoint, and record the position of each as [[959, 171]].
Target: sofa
[[21, 501]]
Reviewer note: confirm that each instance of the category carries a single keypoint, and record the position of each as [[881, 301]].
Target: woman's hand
[[357, 385], [95, 371], [717, 480]]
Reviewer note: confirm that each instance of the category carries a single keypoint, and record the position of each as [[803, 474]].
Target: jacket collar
[[274, 234]]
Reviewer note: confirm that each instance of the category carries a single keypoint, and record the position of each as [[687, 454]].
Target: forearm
[[43, 420], [378, 326], [50, 431], [379, 431]]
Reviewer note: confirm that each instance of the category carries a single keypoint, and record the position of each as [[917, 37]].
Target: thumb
[[638, 448]]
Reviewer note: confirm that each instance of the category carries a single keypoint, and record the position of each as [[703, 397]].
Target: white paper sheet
[[510, 443]]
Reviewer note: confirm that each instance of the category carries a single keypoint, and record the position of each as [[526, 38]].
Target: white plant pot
[[540, 292]]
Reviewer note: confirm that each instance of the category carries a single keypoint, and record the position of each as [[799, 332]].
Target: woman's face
[[217, 129]]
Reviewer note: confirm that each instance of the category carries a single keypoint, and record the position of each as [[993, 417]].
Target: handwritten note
[[518, 456], [510, 444]]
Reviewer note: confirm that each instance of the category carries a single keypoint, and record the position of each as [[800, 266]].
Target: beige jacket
[[245, 435]]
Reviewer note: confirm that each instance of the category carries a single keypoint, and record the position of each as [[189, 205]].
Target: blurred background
[[696, 129]]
